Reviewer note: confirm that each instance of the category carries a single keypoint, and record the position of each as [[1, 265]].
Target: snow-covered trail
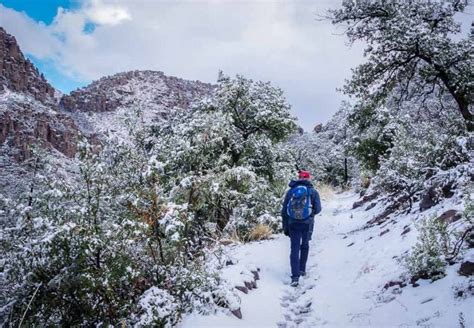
[[347, 271], [274, 303]]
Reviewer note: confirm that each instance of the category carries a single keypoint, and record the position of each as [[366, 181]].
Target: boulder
[[381, 217], [406, 230], [365, 199], [237, 313], [243, 289], [371, 206], [384, 232], [450, 216], [466, 269], [448, 190], [392, 283], [429, 199]]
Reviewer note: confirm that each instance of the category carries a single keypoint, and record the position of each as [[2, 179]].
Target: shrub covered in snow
[[426, 260], [439, 244], [220, 160], [85, 252], [324, 153]]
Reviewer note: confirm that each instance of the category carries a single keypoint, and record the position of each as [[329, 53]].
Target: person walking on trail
[[301, 204]]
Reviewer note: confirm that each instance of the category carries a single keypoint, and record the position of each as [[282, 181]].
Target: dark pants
[[299, 235]]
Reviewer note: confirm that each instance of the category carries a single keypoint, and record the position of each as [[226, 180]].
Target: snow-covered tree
[[409, 47], [221, 160], [324, 153]]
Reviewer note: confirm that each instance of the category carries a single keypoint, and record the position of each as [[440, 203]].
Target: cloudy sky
[[76, 41]]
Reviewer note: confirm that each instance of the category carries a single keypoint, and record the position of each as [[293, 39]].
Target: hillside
[[33, 112], [106, 104], [19, 75]]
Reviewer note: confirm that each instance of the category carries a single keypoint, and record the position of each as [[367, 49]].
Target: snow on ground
[[347, 271]]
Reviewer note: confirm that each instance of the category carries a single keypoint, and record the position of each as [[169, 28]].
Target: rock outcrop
[[19, 75], [28, 108], [145, 89], [26, 122]]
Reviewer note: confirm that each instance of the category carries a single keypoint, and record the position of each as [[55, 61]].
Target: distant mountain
[[148, 89], [150, 96], [34, 114]]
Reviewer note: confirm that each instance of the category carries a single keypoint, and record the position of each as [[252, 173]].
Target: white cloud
[[106, 14], [268, 40], [34, 38]]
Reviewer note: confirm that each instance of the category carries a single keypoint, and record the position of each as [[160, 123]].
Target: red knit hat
[[304, 175]]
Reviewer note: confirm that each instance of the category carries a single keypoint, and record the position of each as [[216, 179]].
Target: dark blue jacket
[[315, 202]]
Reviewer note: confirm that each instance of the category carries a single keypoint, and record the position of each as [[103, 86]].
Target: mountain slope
[[33, 115], [146, 96]]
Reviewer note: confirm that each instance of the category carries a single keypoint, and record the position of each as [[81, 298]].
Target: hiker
[[299, 208]]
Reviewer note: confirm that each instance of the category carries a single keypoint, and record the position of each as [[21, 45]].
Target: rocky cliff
[[109, 105], [28, 108], [19, 75], [147, 89], [26, 122]]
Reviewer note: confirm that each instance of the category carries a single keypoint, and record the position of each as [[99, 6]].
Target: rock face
[[466, 269], [450, 216], [28, 108], [429, 199], [27, 122], [19, 75], [105, 105], [135, 89]]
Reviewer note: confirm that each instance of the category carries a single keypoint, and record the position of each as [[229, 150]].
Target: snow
[[260, 306], [156, 304], [345, 284]]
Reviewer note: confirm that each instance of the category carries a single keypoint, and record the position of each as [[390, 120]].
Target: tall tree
[[410, 51]]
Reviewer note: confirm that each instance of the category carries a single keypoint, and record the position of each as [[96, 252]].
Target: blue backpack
[[299, 204]]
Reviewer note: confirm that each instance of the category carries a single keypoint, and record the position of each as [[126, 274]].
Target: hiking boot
[[294, 283]]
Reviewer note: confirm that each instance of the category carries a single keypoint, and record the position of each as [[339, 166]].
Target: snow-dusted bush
[[83, 252], [439, 244], [220, 160], [426, 259], [129, 238]]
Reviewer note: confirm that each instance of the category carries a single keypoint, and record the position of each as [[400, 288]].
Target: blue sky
[[44, 11], [74, 42], [40, 10]]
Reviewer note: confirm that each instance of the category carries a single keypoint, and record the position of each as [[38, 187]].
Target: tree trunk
[[346, 177], [462, 98], [466, 114]]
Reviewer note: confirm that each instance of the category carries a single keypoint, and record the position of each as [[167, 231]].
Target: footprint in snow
[[297, 304]]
